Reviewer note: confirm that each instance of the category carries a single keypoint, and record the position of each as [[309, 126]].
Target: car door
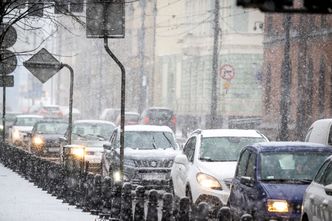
[[184, 169], [237, 198], [326, 199]]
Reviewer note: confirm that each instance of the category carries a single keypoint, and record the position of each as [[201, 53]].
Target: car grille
[[52, 143], [154, 163]]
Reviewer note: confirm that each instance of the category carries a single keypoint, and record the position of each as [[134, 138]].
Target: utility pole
[[141, 47], [214, 98], [151, 100], [285, 83]]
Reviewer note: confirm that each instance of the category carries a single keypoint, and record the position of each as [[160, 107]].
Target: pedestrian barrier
[[96, 194]]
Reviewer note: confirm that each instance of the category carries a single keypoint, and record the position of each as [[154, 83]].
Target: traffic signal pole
[[3, 111], [123, 97]]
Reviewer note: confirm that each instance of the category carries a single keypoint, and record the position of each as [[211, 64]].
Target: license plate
[[53, 149], [154, 176]]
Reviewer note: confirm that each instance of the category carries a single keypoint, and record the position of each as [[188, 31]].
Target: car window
[[327, 179], [149, 140], [291, 165], [308, 135], [225, 148], [189, 149], [319, 175], [115, 139], [92, 131], [51, 128], [242, 164], [329, 142], [251, 168], [26, 121]]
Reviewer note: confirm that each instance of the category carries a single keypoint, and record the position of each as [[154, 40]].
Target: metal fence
[[97, 195]]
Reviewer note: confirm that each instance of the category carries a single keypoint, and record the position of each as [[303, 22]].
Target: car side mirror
[[63, 139], [181, 159], [328, 189], [107, 146], [248, 181]]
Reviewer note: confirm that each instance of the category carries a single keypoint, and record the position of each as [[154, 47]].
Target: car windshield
[[160, 114], [92, 131], [51, 109], [149, 140], [224, 148], [26, 121], [290, 165], [51, 127]]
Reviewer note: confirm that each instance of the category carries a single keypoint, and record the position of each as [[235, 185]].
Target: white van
[[320, 132]]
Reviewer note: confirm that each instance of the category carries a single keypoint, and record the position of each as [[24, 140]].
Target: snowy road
[[20, 200]]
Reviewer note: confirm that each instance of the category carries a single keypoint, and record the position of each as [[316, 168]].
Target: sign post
[[43, 65]]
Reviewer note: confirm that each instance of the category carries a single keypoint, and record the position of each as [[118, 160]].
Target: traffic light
[[76, 5], [36, 8], [61, 6], [105, 18]]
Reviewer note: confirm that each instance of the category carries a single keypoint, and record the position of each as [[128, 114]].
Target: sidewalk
[[20, 200]]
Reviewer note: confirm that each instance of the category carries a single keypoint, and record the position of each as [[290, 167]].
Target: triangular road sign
[[43, 65]]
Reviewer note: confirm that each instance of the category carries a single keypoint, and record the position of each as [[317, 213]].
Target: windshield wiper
[[206, 159], [154, 143], [169, 141]]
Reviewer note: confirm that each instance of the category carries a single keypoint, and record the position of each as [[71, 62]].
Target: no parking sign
[[227, 72]]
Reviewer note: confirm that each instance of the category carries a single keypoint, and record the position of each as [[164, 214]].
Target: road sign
[[10, 36], [8, 62], [227, 72], [43, 65], [105, 18], [6, 81]]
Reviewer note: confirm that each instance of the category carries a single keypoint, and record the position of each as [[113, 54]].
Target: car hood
[[149, 154], [220, 170], [90, 144], [50, 136], [289, 192], [23, 128]]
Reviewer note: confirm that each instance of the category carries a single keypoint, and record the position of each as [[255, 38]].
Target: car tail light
[[146, 120], [173, 120]]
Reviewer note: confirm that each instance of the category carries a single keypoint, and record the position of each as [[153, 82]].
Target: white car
[[317, 200], [320, 132], [204, 170], [22, 125]]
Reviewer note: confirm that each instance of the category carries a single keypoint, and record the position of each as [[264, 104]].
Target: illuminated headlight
[[208, 181], [37, 141], [16, 134], [78, 152], [1, 127], [117, 176], [277, 206]]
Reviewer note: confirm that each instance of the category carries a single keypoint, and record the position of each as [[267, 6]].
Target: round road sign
[[227, 72], [10, 36], [8, 62]]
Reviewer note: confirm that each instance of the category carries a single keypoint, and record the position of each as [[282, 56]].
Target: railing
[[96, 194]]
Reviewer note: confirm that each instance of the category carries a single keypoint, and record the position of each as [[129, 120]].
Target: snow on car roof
[[147, 128], [230, 133], [94, 122], [283, 145], [29, 115]]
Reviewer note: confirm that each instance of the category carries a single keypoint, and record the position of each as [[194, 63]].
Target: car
[[320, 132], [22, 125], [110, 114], [159, 116], [44, 137], [10, 118], [149, 153], [50, 111], [271, 178], [90, 135], [317, 199], [131, 118], [204, 169], [76, 114]]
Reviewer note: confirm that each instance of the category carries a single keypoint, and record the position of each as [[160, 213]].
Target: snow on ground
[[20, 200]]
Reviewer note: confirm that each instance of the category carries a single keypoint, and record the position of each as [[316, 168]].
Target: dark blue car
[[271, 178]]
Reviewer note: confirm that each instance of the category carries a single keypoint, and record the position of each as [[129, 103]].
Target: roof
[[293, 146], [230, 133], [147, 128], [29, 116], [94, 122]]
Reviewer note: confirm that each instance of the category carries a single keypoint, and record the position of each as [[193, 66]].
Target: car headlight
[[78, 152], [1, 126], [277, 206], [37, 140], [117, 176], [16, 134], [208, 181]]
